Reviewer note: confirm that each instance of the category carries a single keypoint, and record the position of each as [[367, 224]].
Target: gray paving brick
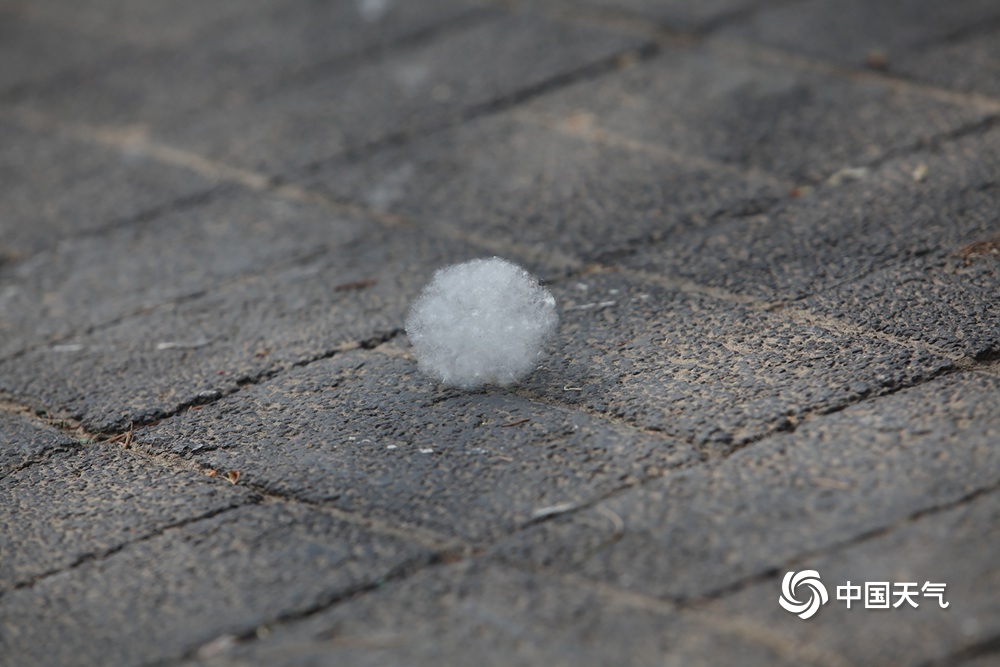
[[474, 614], [167, 595], [92, 501], [957, 547], [23, 440], [409, 89], [53, 186], [726, 380], [228, 59], [716, 373], [195, 349], [702, 530], [848, 31], [84, 282], [971, 64], [512, 179], [929, 203], [750, 108], [943, 302], [661, 148], [367, 433]]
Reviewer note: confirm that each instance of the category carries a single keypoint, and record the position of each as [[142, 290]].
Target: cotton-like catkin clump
[[481, 322]]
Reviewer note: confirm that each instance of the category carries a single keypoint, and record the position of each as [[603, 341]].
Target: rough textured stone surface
[[928, 203], [23, 440], [476, 614], [753, 109], [555, 188], [956, 547], [715, 372], [93, 501], [701, 531], [188, 586], [417, 88], [196, 350], [950, 303], [776, 276], [367, 433], [54, 187], [227, 60], [849, 31], [83, 282]]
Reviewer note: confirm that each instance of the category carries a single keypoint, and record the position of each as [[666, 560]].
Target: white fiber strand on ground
[[481, 322]]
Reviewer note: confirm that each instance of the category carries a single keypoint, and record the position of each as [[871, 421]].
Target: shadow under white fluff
[[483, 322]]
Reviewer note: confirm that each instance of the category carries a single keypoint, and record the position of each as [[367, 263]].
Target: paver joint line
[[770, 228]]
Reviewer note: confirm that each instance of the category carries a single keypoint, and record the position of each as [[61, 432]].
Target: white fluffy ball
[[481, 322]]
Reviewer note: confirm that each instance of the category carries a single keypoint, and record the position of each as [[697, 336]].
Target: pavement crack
[[742, 49], [798, 560], [468, 17], [105, 553], [497, 105], [937, 141], [326, 602]]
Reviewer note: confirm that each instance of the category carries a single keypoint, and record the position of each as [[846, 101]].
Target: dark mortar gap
[[311, 73], [147, 215], [95, 556], [250, 635], [44, 457], [934, 143], [791, 564], [297, 260], [503, 103]]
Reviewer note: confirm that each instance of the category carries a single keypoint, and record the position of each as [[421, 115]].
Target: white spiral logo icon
[[817, 595]]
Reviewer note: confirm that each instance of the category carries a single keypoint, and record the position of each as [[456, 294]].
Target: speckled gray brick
[[83, 282], [229, 56], [848, 31], [24, 440], [168, 595], [196, 349], [756, 110], [93, 501], [480, 614], [956, 547], [714, 372], [948, 302], [367, 433], [512, 178], [54, 186], [419, 87], [930, 203], [702, 531]]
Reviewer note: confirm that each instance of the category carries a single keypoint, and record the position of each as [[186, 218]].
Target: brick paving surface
[[772, 228]]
